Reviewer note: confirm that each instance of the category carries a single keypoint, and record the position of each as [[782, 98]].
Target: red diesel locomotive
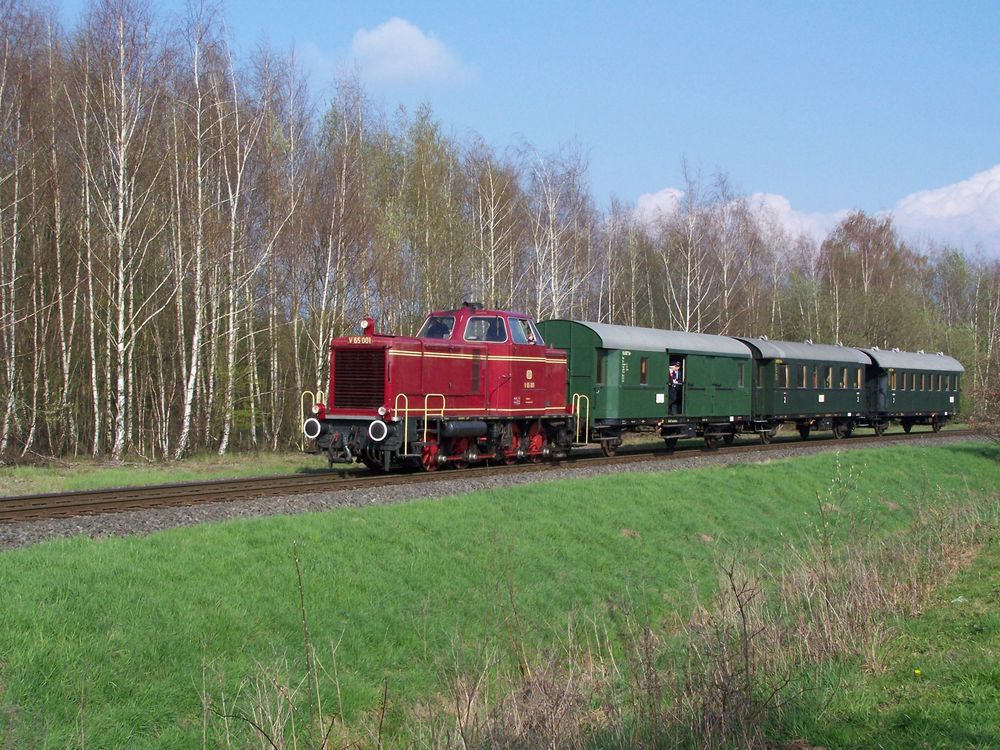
[[473, 385]]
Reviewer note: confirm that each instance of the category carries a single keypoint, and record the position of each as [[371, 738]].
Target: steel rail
[[21, 508]]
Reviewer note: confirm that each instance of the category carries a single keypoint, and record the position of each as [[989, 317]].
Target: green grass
[[939, 686], [88, 474], [108, 640]]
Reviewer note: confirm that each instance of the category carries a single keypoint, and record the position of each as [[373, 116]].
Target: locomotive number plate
[[359, 339]]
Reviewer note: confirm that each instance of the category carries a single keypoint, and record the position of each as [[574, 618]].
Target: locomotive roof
[[653, 339], [804, 350], [895, 359]]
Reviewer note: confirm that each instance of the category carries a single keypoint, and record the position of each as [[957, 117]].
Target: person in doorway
[[674, 385]]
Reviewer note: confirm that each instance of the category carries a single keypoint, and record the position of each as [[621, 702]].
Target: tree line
[[182, 232]]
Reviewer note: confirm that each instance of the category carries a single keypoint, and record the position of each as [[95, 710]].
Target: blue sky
[[823, 106]]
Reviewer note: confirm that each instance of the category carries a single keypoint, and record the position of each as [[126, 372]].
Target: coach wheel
[[907, 425], [608, 448], [428, 457], [711, 441], [671, 443], [804, 431], [879, 428], [935, 424], [728, 438], [839, 431]]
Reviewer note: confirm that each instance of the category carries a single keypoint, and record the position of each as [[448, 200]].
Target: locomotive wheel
[[536, 442], [459, 447], [608, 448], [428, 457], [671, 443], [935, 424], [510, 456], [804, 431]]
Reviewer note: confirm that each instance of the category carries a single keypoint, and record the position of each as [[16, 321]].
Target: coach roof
[[806, 350], [654, 339], [897, 360]]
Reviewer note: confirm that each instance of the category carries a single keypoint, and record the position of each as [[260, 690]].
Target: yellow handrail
[[579, 402], [406, 418], [315, 398], [427, 411]]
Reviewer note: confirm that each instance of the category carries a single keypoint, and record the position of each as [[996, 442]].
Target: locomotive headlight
[[311, 428], [365, 322], [382, 411], [318, 408], [378, 430]]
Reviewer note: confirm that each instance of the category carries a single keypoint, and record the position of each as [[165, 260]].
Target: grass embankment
[[114, 643]]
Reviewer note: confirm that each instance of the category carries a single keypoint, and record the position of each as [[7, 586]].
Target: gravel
[[139, 523]]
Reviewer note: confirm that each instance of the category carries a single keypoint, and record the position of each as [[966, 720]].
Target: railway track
[[17, 509]]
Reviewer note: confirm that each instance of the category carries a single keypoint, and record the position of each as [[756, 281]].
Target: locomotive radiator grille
[[358, 378]]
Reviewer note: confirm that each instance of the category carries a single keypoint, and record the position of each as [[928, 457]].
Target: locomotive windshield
[[486, 328], [437, 327]]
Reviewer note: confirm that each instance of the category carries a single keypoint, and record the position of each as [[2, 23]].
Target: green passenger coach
[[618, 381], [914, 387], [814, 386]]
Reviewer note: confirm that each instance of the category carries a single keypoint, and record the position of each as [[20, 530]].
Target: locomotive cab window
[[437, 327], [523, 331], [486, 328]]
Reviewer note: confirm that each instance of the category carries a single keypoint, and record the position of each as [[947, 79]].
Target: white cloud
[[399, 52], [816, 225], [653, 206], [964, 213]]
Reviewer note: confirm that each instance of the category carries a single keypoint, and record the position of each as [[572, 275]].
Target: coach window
[[828, 377], [857, 378], [781, 372], [644, 371], [739, 375], [804, 382], [602, 358], [892, 380], [815, 374], [923, 381]]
